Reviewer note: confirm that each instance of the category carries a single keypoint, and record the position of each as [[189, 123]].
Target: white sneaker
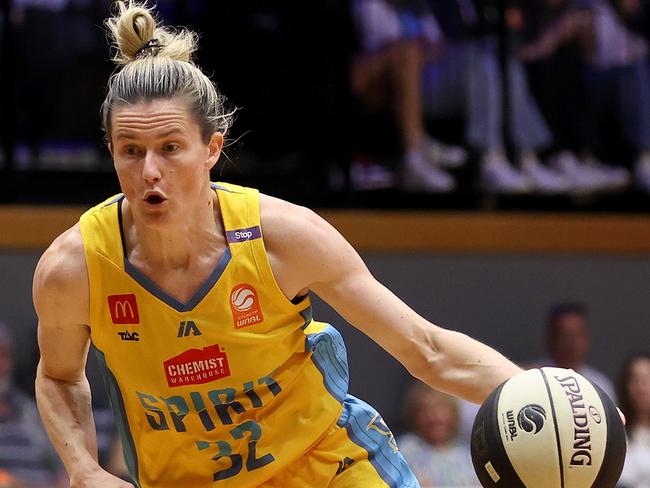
[[370, 176], [642, 172], [582, 178], [421, 175], [614, 178], [498, 176], [544, 180], [444, 155]]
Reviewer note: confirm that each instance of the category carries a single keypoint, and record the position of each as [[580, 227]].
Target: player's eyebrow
[[126, 134]]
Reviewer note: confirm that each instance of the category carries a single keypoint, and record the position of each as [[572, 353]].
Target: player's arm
[[307, 253], [61, 300]]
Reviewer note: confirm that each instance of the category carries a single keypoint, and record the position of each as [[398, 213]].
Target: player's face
[[639, 385], [436, 419], [162, 161], [569, 345]]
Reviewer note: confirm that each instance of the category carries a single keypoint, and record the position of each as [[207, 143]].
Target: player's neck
[[197, 235], [568, 363]]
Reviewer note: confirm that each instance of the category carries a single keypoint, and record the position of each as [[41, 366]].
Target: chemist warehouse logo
[[197, 366], [245, 306], [123, 309]]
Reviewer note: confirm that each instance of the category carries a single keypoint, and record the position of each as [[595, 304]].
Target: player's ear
[[214, 147], [110, 148]]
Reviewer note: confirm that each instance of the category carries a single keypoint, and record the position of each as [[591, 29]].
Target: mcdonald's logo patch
[[124, 309]]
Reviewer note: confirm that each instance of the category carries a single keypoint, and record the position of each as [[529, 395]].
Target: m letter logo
[[124, 309], [245, 306]]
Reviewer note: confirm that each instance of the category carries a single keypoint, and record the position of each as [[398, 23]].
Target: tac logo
[[245, 306], [123, 309], [129, 336], [197, 366]]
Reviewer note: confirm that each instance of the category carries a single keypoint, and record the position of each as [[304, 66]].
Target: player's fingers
[[621, 414]]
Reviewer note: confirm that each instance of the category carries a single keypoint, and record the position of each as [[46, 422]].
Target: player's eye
[[131, 151], [171, 147]]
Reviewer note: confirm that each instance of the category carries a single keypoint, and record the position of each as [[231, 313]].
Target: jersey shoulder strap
[[240, 210]]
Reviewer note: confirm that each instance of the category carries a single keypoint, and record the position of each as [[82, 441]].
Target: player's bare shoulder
[[302, 247], [60, 284], [289, 226]]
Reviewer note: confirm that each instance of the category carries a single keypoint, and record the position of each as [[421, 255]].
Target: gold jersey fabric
[[226, 389]]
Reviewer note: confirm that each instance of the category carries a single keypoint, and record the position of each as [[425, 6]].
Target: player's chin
[[159, 215]]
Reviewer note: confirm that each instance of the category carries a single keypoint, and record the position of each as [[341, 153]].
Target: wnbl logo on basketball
[[531, 418], [245, 306]]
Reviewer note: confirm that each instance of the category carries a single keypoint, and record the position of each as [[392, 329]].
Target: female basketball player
[[196, 297]]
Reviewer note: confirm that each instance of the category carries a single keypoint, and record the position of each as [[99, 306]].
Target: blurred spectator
[[468, 77], [386, 74], [620, 77], [568, 342], [634, 394], [26, 455], [588, 69], [453, 71], [432, 448], [555, 45], [471, 29]]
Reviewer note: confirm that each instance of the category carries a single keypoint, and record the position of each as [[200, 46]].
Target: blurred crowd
[[545, 90], [505, 96], [434, 435]]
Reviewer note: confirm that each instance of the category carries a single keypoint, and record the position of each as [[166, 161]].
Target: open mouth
[[154, 199]]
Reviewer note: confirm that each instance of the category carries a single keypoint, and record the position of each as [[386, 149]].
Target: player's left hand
[[621, 414]]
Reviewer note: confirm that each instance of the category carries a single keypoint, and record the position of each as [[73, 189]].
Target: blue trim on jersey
[[214, 186], [146, 283], [307, 316], [331, 359], [114, 200], [357, 418], [121, 420]]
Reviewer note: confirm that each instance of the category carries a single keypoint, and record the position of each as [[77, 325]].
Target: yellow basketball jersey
[[226, 389]]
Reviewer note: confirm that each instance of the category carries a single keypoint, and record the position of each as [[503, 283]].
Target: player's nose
[[151, 171]]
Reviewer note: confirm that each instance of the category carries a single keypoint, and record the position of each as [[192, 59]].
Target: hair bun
[[134, 30]]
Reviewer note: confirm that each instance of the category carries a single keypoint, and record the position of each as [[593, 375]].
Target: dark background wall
[[499, 299]]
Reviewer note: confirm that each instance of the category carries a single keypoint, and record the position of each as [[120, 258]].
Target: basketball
[[548, 428]]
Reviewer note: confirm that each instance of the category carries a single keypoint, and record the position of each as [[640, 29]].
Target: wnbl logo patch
[[245, 306]]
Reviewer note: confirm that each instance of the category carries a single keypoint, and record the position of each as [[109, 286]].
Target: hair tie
[[153, 46]]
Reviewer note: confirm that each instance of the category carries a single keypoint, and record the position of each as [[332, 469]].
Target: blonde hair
[[155, 62]]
